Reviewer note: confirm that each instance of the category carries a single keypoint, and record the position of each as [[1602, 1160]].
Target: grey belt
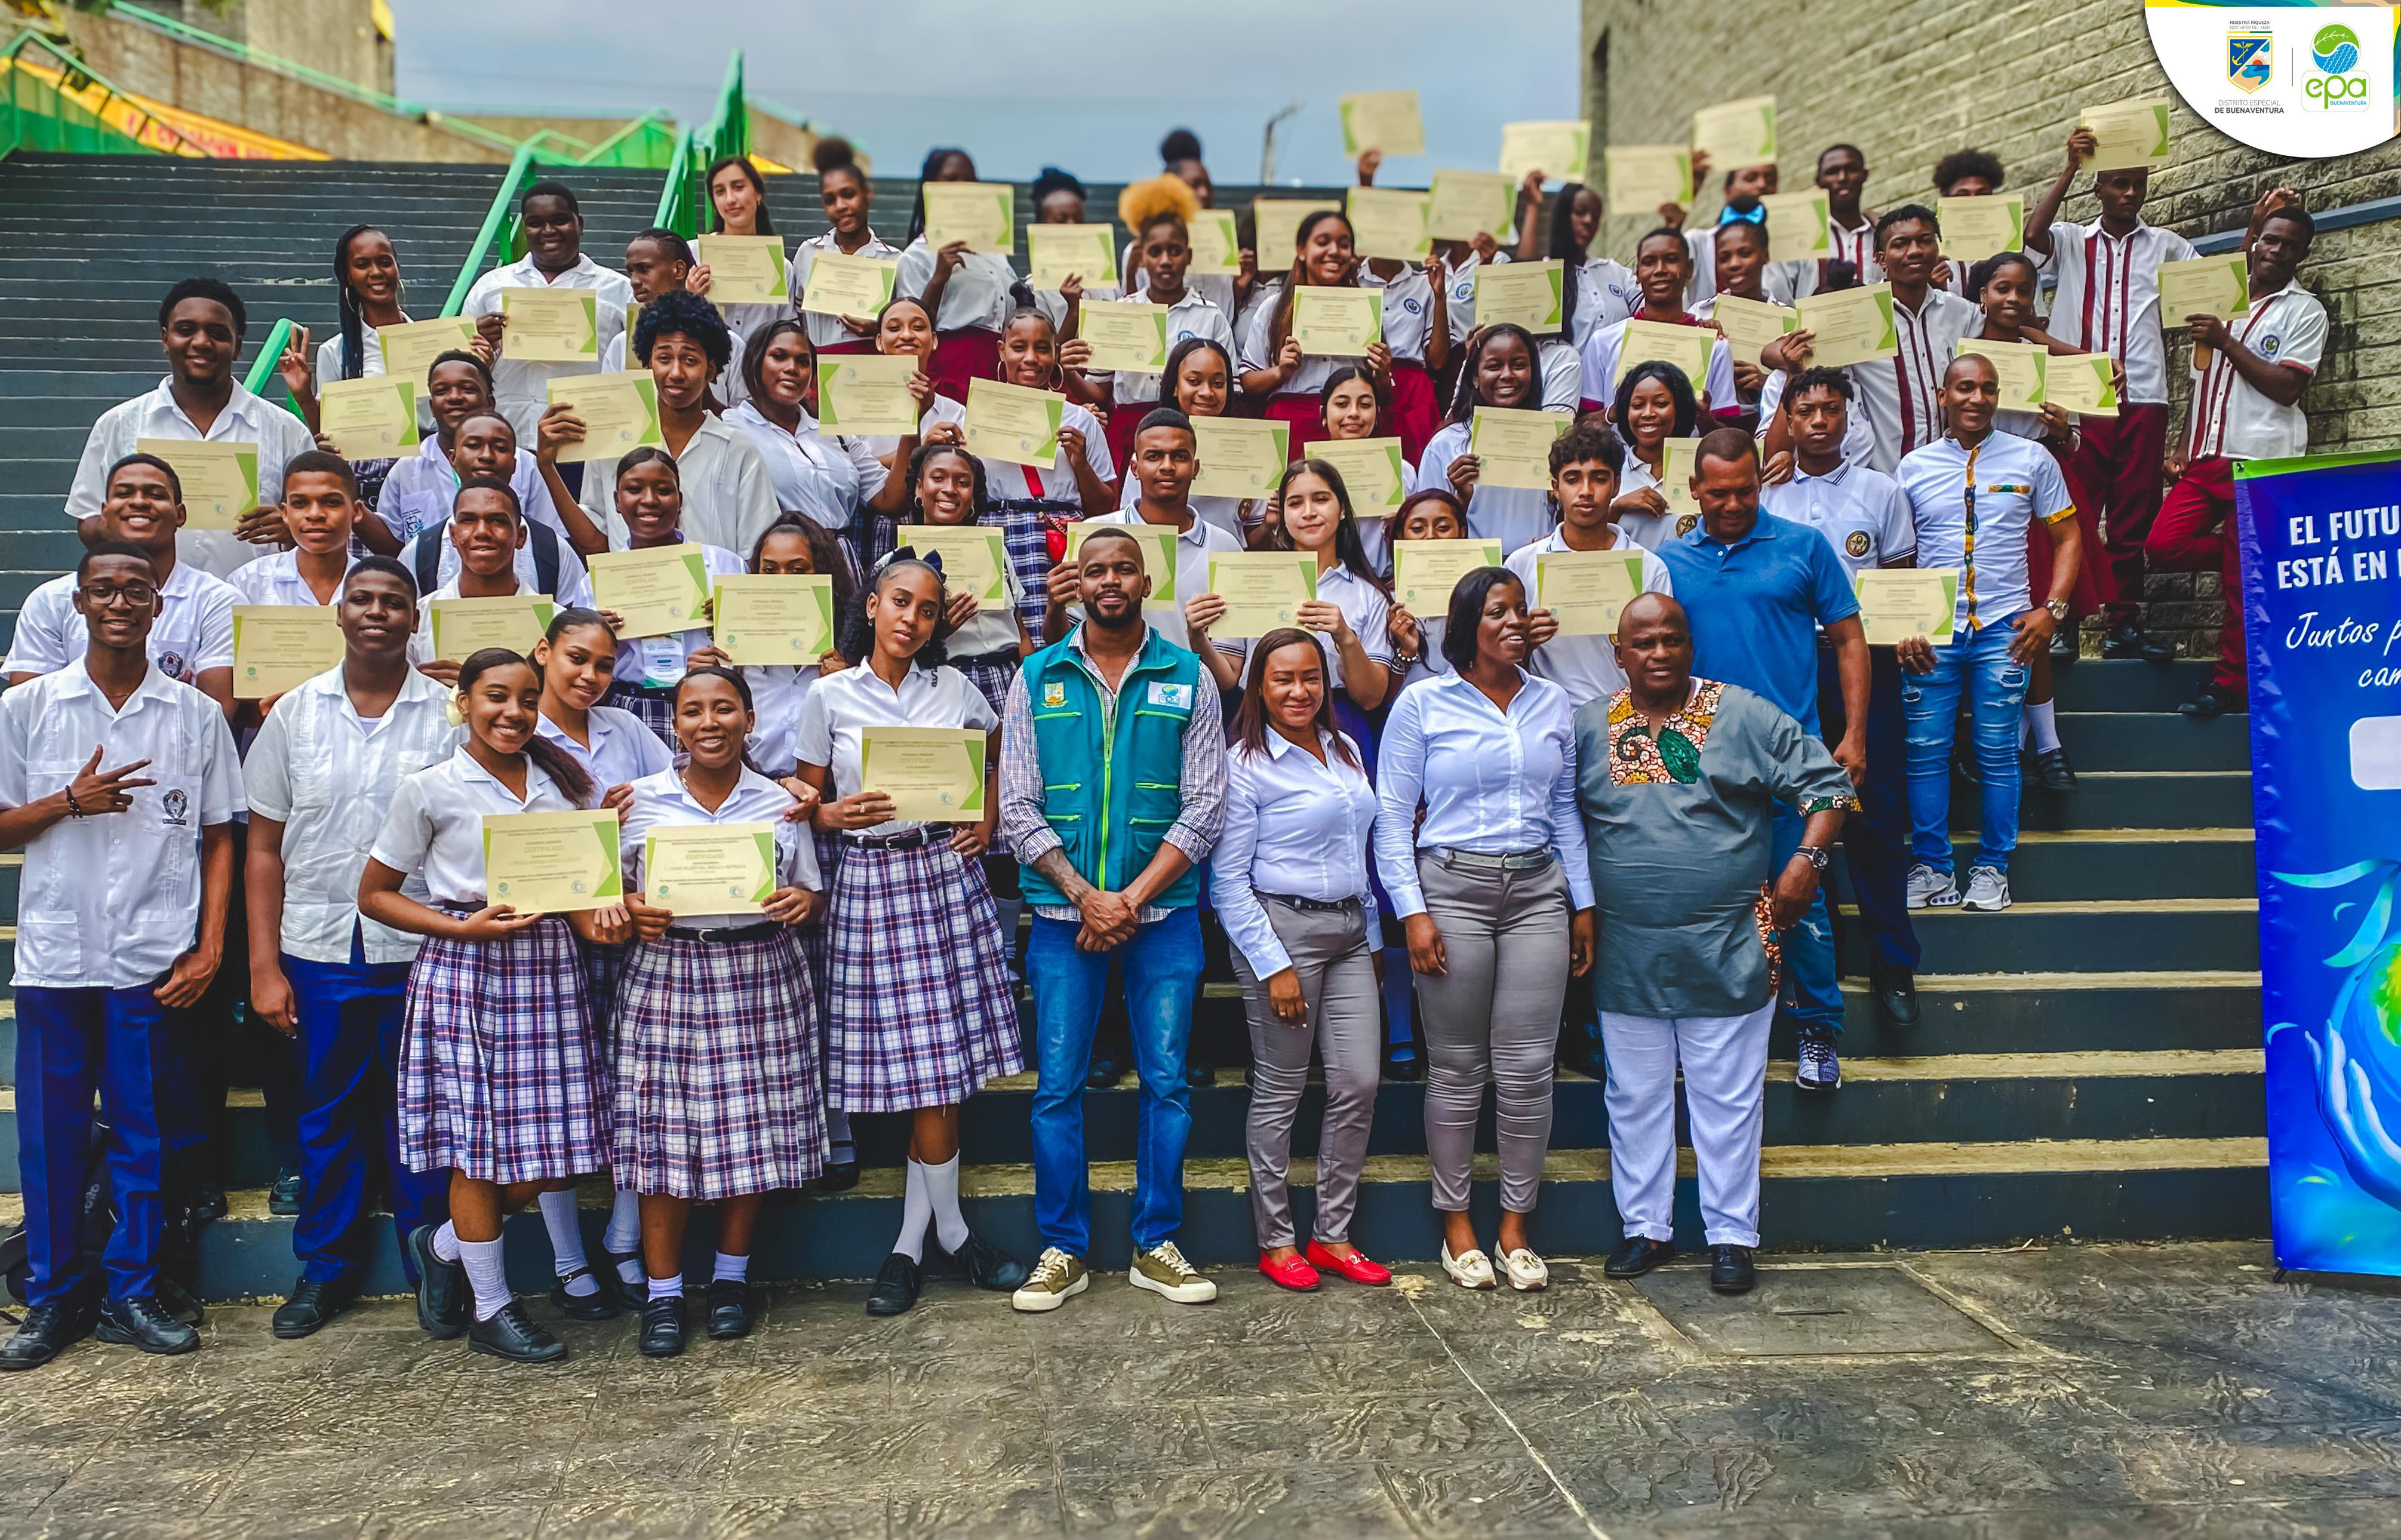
[[1330, 906], [1511, 861]]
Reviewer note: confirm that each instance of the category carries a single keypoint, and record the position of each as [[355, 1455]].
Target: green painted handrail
[[674, 211], [115, 139], [262, 369]]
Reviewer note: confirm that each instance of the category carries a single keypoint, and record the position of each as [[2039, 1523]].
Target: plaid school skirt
[[920, 1008], [500, 1075], [716, 1069], [656, 710]]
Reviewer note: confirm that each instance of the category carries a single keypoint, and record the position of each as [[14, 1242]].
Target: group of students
[[1414, 829]]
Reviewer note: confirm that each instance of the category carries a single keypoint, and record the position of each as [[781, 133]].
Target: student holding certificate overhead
[[843, 190], [1498, 371], [1600, 289], [921, 1007], [1662, 264], [502, 1084], [969, 292], [716, 1023], [553, 261], [829, 478], [1162, 251], [1274, 367], [737, 207], [649, 511]]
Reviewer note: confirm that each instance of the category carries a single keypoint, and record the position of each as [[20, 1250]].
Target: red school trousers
[[2195, 533], [2118, 461]]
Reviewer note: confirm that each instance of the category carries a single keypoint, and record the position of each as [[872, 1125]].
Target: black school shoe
[[1635, 1255], [898, 1284], [46, 1331], [305, 1311], [441, 1288], [629, 1297], [662, 1335], [2215, 699], [601, 1304], [980, 1263], [515, 1336], [2052, 772], [729, 1309], [1895, 991], [1730, 1269], [837, 1176], [2130, 640], [284, 1197], [144, 1323]]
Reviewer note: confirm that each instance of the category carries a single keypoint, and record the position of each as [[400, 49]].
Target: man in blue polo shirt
[[1757, 589]]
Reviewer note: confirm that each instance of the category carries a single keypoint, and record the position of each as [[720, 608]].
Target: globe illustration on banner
[[2334, 49], [2287, 77]]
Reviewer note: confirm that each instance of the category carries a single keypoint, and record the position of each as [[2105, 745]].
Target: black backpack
[[540, 539]]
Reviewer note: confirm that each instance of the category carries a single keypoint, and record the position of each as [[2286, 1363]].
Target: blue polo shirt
[[1755, 607]]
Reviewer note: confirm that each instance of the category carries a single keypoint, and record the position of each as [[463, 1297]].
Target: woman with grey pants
[[1493, 889], [1289, 879]]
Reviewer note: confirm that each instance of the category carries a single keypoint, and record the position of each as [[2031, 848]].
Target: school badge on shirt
[[1856, 544], [175, 807], [1054, 693], [1176, 697]]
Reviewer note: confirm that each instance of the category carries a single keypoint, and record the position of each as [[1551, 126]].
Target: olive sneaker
[[1163, 1270], [1056, 1279]]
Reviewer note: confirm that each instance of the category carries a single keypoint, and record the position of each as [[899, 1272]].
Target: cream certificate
[[1736, 133], [981, 213], [1974, 228], [620, 412], [1530, 294], [1157, 541], [866, 395], [1584, 590], [1388, 223], [1897, 603], [2128, 134], [745, 269], [1849, 325], [1372, 472], [1337, 321], [2217, 285], [975, 558], [1642, 178], [656, 591], [551, 863], [763, 619], [1013, 423], [1216, 244], [373, 417], [1275, 222], [1561, 151], [410, 349], [1381, 120], [1466, 205], [1124, 334], [1678, 462], [1687, 348], [2084, 383], [1088, 253], [1240, 456], [551, 325], [1424, 572], [841, 284], [464, 627], [2018, 365], [277, 646], [709, 868], [219, 477], [1513, 447], [1263, 590], [933, 775], [1750, 325], [1798, 226]]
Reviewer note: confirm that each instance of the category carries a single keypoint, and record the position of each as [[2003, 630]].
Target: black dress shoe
[[897, 1287], [514, 1335], [2130, 640], [283, 1198], [1895, 990], [208, 1203], [1199, 1072], [837, 1176], [633, 1296], [46, 1331], [2215, 699], [980, 1263], [601, 1304], [144, 1323], [1406, 1070], [441, 1288], [2051, 767], [662, 1335], [1104, 1075], [1635, 1255], [311, 1304], [729, 1309], [1730, 1269]]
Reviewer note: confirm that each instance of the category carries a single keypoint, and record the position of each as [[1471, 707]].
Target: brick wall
[[1909, 82]]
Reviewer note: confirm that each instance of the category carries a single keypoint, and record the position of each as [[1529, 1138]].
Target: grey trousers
[[1496, 1014], [1331, 952]]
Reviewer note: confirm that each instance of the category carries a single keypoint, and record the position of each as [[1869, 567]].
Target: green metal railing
[[262, 369], [683, 202], [35, 114]]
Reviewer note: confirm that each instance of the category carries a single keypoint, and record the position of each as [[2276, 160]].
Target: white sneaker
[[1526, 1271], [1472, 1270], [1163, 1270], [1988, 891], [1931, 890]]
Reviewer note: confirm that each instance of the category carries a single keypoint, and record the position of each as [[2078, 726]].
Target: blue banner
[[2321, 557]]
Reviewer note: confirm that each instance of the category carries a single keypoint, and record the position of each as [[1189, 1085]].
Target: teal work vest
[[1111, 795]]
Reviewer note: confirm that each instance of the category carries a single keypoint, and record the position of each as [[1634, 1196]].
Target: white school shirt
[[979, 294], [246, 419], [1584, 666], [193, 629], [2017, 484], [1859, 439], [1858, 248], [277, 579], [1900, 398], [777, 692], [1562, 371], [663, 801], [826, 330], [1513, 516], [1295, 828], [1368, 608], [1216, 288], [329, 777], [635, 656], [1859, 510], [436, 823], [1190, 316], [110, 901], [419, 492], [824, 478], [844, 706], [1490, 783], [1600, 368], [575, 593], [1308, 378], [622, 751], [522, 391], [574, 581], [2107, 298], [1648, 531], [728, 499], [1606, 294], [1192, 551], [1408, 311], [2230, 416], [1233, 515], [329, 366], [993, 627]]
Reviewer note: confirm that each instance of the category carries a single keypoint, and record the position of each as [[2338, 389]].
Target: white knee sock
[[942, 1194], [558, 1217], [624, 1231], [445, 1243], [487, 1274], [736, 1268], [916, 1212], [668, 1288], [841, 1151], [2043, 721]]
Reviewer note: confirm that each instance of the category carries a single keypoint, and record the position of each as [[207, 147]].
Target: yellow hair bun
[[1167, 193]]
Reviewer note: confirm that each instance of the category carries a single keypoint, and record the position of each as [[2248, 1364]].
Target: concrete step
[[2106, 685], [2118, 863], [2154, 740], [2162, 935], [2119, 799]]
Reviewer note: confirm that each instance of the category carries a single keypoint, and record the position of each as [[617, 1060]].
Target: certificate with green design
[[709, 868], [219, 477], [278, 646], [1560, 151], [840, 284], [373, 418], [620, 412], [1736, 133], [1849, 325], [771, 618], [465, 626], [2217, 285], [1014, 422], [1424, 572], [1642, 178], [1974, 228], [745, 269], [1679, 459], [1381, 120], [1513, 447], [1088, 253], [1897, 603], [1216, 244], [2084, 383], [1389, 223], [975, 558], [1158, 542], [1263, 590], [1275, 222], [1527, 294], [1372, 472], [1799, 225], [981, 213], [1750, 325], [1124, 334], [656, 592], [550, 325], [866, 395], [1466, 205], [551, 863], [1584, 590], [1240, 456], [410, 347], [1688, 348], [2127, 134], [2018, 365], [933, 775], [1337, 321]]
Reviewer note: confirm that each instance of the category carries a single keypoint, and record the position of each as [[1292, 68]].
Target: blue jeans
[[1811, 994], [71, 1043], [1995, 687], [1163, 973]]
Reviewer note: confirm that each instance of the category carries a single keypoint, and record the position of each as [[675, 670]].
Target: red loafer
[[1357, 1267], [1291, 1272]]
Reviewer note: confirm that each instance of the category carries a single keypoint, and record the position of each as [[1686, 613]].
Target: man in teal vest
[[1112, 791]]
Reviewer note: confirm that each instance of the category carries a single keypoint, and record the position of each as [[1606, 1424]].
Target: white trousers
[[1725, 1075]]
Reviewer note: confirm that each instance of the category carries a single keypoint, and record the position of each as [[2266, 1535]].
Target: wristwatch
[[2058, 607], [1817, 857]]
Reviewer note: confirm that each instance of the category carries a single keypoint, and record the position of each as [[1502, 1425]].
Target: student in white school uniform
[[1199, 382], [368, 290], [658, 261], [486, 530], [1031, 355], [1602, 291], [716, 1021], [1586, 464], [649, 514], [843, 191], [1654, 404], [554, 258], [829, 479], [1162, 252], [502, 1081], [470, 438], [1351, 408], [738, 205], [200, 327], [1744, 187], [1662, 265], [1498, 371], [1166, 459], [921, 1007], [1850, 229], [1742, 264], [1274, 369], [947, 487], [1350, 611], [1179, 156], [969, 293], [190, 636], [544, 560], [906, 330], [320, 507], [1059, 199]]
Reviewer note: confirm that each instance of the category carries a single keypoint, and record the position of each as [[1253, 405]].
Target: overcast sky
[[1021, 83]]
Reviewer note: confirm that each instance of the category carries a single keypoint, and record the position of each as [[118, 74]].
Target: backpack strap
[[543, 542], [430, 541]]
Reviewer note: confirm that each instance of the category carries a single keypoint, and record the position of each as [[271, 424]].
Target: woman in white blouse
[[367, 289], [1289, 879], [969, 293], [1654, 404], [738, 205], [828, 479], [1500, 370], [1496, 897]]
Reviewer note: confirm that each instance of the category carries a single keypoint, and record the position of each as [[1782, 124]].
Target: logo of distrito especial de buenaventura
[[2303, 80]]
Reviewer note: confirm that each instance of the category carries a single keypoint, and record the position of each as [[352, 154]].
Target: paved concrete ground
[[2073, 1392]]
